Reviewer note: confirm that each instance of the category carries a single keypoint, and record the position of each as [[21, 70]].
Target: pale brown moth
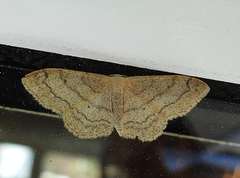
[[92, 105]]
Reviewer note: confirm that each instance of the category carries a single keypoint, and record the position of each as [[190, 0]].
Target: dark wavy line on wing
[[140, 123], [157, 95], [84, 99]]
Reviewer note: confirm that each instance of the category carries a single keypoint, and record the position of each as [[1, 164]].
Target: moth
[[92, 105]]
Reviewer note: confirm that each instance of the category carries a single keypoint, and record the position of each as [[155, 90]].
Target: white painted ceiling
[[193, 37]]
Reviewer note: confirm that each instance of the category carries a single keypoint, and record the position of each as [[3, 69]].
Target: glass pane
[[203, 144], [15, 160], [65, 165]]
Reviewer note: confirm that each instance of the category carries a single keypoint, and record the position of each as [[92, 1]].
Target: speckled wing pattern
[[150, 101], [85, 101]]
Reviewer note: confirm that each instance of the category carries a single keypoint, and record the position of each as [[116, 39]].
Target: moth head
[[117, 75]]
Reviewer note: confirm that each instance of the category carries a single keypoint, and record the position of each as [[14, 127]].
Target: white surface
[[199, 38]]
